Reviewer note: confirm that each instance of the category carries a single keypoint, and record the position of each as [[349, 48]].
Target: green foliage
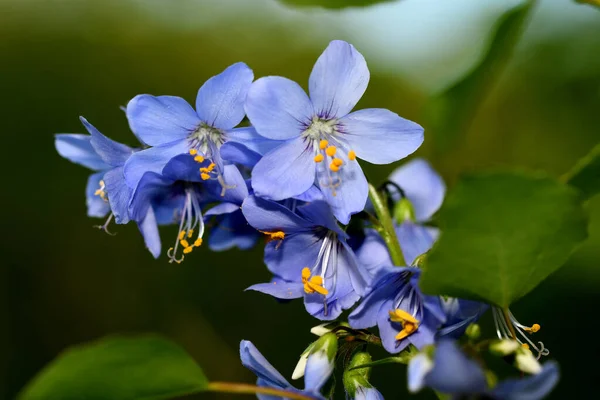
[[585, 175], [450, 113], [333, 3], [502, 234], [118, 367]]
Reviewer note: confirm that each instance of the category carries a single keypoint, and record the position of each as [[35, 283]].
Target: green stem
[[388, 233], [243, 388]]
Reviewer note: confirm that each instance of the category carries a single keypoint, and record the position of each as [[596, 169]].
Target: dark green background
[[65, 282]]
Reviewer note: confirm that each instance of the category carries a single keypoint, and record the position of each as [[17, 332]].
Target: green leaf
[[451, 113], [333, 3], [117, 367], [502, 234], [585, 175]]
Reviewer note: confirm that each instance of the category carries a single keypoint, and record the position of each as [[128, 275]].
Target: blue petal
[[388, 330], [78, 149], [359, 276], [232, 230], [459, 314], [312, 194], [338, 80], [96, 206], [418, 368], [149, 229], [252, 140], [239, 154], [153, 159], [269, 216], [534, 387], [278, 108], [111, 152], [383, 289], [414, 240], [157, 120], [318, 370], [220, 101], [183, 167], [368, 393], [152, 187], [280, 289], [453, 372], [422, 185], [380, 136], [285, 172], [223, 208], [373, 253], [287, 258], [351, 195], [118, 194], [236, 190], [253, 360], [319, 213]]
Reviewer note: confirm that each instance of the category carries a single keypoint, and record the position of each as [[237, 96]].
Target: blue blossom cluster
[[292, 175]]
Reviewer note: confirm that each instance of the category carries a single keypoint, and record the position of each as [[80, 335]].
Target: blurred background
[[65, 282]]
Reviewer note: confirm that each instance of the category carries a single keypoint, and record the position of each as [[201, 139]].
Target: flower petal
[[287, 171], [338, 80], [373, 253], [220, 101], [280, 288], [422, 186], [319, 213], [153, 159], [388, 330], [223, 208], [149, 230], [418, 368], [232, 230], [287, 258], [368, 393], [96, 206], [383, 289], [534, 387], [257, 363], [238, 153], [318, 370], [157, 120], [252, 140], [118, 194], [269, 216], [111, 152], [350, 196], [414, 240], [380, 136], [278, 108], [152, 187], [78, 149]]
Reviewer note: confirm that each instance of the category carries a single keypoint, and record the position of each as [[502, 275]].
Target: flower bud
[[301, 366], [321, 360], [404, 211], [473, 331], [356, 379]]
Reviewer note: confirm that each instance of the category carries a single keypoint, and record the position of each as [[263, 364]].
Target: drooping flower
[[173, 127], [178, 196], [106, 191], [268, 376], [402, 313], [452, 372], [308, 254], [323, 138]]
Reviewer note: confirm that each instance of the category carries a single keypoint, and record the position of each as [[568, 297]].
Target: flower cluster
[[292, 175]]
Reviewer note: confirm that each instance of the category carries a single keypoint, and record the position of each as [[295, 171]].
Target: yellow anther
[[199, 158], [409, 323], [338, 162], [184, 243], [351, 155], [525, 346], [331, 151], [319, 157], [198, 242], [277, 235], [533, 329], [181, 235], [334, 167], [204, 176], [314, 284], [305, 274], [211, 166], [190, 233], [188, 249], [193, 152], [205, 170], [323, 143]]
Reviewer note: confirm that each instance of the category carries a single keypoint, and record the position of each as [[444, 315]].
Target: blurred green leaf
[[143, 367], [590, 2], [333, 3], [450, 113], [585, 175], [502, 234]]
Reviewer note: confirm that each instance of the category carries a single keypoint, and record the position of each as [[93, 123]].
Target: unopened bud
[[404, 211], [473, 331], [301, 366], [321, 360], [355, 379]]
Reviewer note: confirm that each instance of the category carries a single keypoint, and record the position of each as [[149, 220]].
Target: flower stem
[[243, 388], [387, 231]]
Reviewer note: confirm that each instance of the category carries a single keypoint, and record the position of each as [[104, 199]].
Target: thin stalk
[[243, 388], [387, 231], [510, 325]]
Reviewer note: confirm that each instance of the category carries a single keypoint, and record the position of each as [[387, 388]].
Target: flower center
[[100, 191], [503, 331], [205, 135], [191, 218], [408, 321]]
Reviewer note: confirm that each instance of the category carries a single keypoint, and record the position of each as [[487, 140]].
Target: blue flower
[[106, 190], [459, 315], [452, 372], [268, 376], [173, 127], [368, 393], [402, 313], [177, 196], [309, 256], [323, 139]]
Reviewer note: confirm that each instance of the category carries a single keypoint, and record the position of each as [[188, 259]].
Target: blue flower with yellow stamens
[[322, 138], [308, 253]]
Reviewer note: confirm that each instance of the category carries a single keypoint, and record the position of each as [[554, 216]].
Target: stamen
[[100, 192], [351, 155], [503, 331], [331, 150], [193, 152], [323, 143], [105, 226], [204, 176], [278, 235], [199, 159], [533, 329], [191, 216], [314, 284], [319, 157], [338, 162], [409, 323], [334, 167]]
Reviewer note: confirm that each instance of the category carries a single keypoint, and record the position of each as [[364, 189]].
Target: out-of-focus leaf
[[450, 113], [590, 2], [585, 175], [333, 3], [502, 234], [144, 367]]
